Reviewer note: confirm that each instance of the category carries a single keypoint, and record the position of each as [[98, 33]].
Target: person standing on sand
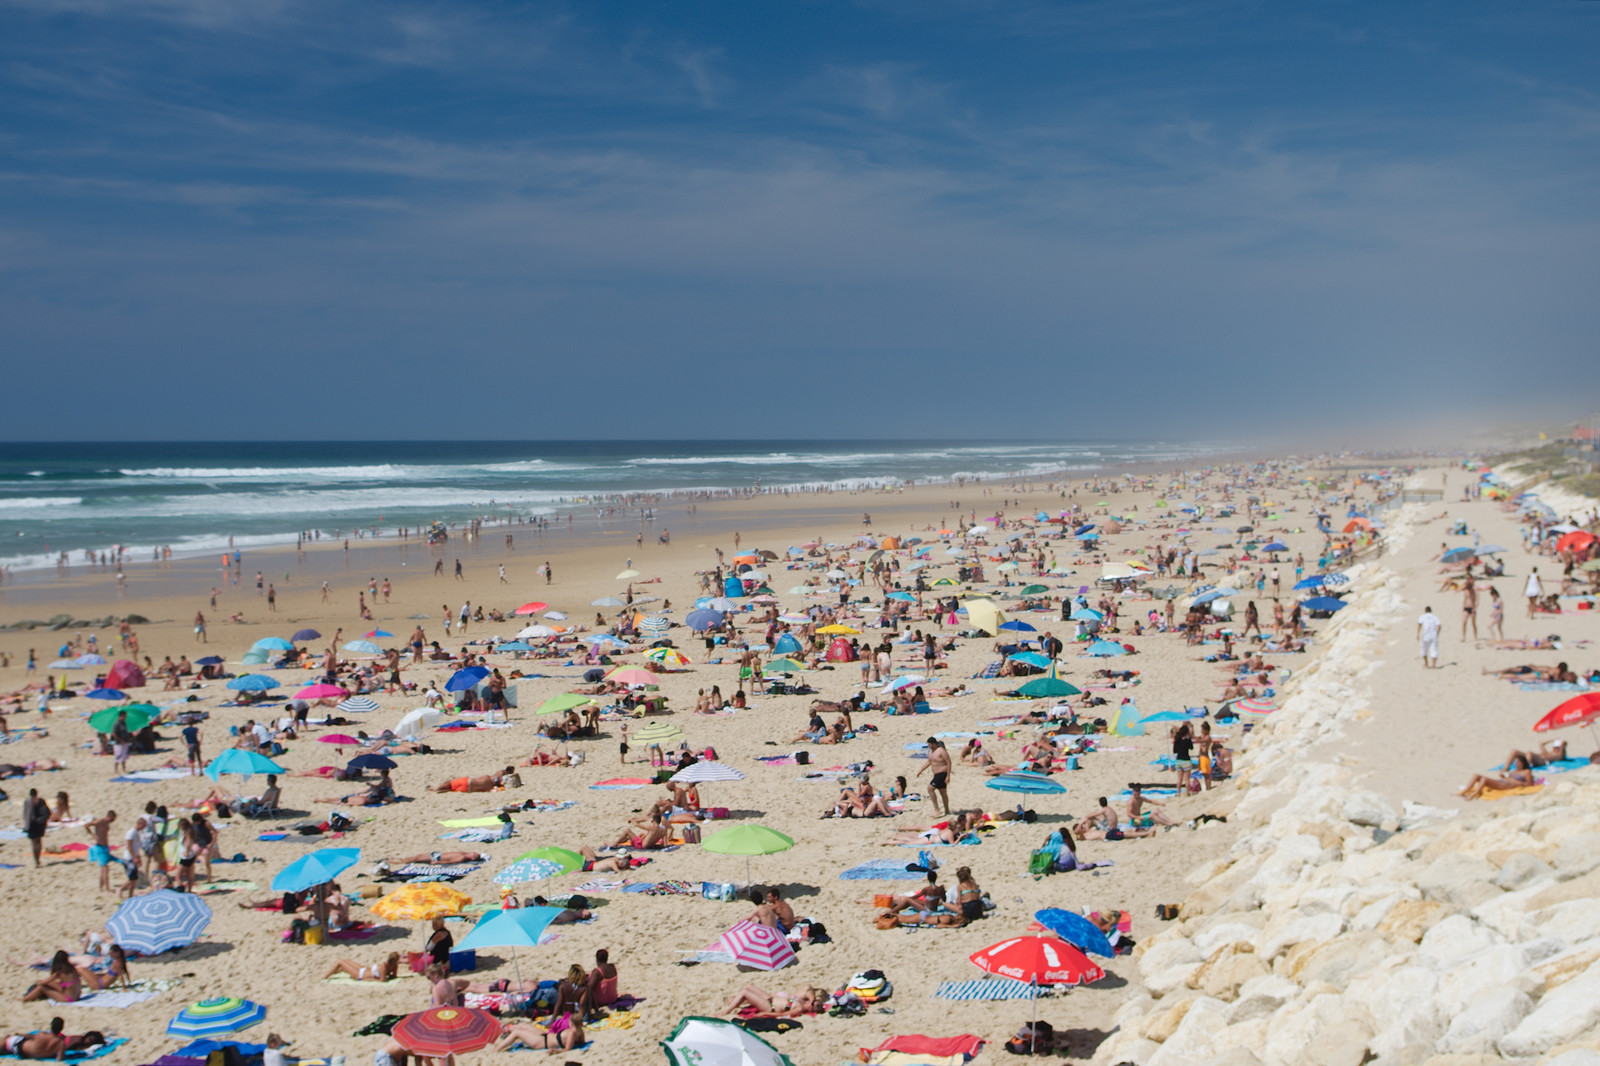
[[200, 627], [939, 764], [100, 850], [1533, 590], [1428, 627], [35, 822], [1469, 607]]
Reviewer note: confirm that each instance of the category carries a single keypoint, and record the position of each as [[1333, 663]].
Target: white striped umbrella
[[758, 946], [707, 771], [655, 625], [358, 704]]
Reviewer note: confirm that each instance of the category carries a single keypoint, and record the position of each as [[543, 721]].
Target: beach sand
[[1403, 747]]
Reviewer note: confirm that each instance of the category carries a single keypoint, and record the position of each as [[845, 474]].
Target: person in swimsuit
[[1550, 751], [439, 858], [968, 894], [439, 944], [387, 970], [63, 984], [777, 1004], [483, 783], [46, 1045], [565, 1034], [1521, 776], [622, 862]]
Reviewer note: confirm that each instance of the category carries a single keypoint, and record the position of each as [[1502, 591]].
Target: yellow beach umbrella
[[838, 630], [420, 902]]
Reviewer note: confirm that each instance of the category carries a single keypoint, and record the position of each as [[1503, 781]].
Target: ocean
[[194, 497]]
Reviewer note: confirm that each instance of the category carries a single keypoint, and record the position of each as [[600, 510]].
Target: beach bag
[[224, 1056], [691, 834], [1041, 862], [802, 758]]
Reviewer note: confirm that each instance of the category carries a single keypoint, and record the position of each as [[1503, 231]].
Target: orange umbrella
[[1357, 523]]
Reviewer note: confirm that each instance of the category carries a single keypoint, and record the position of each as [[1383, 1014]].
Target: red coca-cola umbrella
[[1577, 540], [1037, 960], [1579, 711]]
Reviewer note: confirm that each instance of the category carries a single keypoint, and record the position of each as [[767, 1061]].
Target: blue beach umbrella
[[1033, 658], [1106, 647], [1456, 555], [363, 647], [242, 763], [306, 634], [315, 868], [518, 928], [209, 660], [1315, 581], [105, 694], [252, 683], [159, 921], [272, 644], [1323, 603], [1018, 627], [1076, 930], [605, 639], [1025, 781], [222, 1014], [1275, 546], [1087, 614], [465, 678], [371, 761]]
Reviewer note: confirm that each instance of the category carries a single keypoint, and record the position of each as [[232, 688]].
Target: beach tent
[[840, 651], [1125, 722], [984, 614], [732, 588], [125, 674], [786, 645]]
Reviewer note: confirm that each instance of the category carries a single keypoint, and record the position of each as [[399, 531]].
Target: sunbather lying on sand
[[439, 858], [948, 833], [1531, 672], [387, 970], [566, 1033], [1520, 776], [1550, 751], [482, 783], [777, 1004]]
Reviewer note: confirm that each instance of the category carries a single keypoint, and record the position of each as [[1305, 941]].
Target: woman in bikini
[[968, 895], [64, 984], [565, 1033], [1521, 776], [388, 970], [777, 1004]]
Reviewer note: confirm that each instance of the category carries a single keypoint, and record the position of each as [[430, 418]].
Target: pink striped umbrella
[[758, 946]]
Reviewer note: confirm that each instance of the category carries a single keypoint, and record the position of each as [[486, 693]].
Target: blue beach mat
[[882, 870]]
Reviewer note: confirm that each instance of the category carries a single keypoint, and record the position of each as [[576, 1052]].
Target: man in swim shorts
[[100, 850], [939, 764], [483, 783]]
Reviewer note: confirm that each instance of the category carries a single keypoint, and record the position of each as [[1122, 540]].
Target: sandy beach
[[1398, 731]]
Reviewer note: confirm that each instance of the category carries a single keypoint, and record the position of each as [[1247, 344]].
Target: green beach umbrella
[[139, 716], [747, 840], [567, 860], [1033, 590], [565, 702], [782, 666]]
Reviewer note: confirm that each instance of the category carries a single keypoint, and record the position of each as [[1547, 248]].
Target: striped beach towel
[[987, 988], [990, 671]]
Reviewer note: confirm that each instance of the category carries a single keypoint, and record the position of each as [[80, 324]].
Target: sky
[[314, 219]]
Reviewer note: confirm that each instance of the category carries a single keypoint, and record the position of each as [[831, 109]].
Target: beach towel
[[1502, 793], [478, 836], [145, 777], [427, 871], [882, 870], [78, 1056], [112, 1000], [599, 884], [217, 887], [486, 822], [776, 760], [617, 1019], [551, 806], [1551, 686], [1001, 988], [990, 671], [964, 1045], [346, 979], [619, 783]]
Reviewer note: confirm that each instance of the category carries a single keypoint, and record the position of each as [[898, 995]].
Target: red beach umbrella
[[441, 1031], [340, 739], [1580, 711], [1577, 539], [531, 608], [1038, 960]]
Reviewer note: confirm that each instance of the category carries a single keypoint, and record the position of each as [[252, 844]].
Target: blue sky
[[322, 219]]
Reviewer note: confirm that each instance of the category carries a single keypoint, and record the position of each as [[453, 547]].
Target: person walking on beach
[[550, 571], [35, 821], [272, 598], [191, 744], [200, 627], [938, 785], [1533, 591], [1428, 627], [1469, 608]]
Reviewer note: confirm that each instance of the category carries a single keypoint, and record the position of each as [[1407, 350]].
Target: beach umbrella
[[701, 1041], [632, 675], [905, 681], [515, 645], [532, 608], [1315, 581], [1033, 590], [273, 644], [536, 632], [363, 647], [245, 764], [605, 639], [1037, 960], [441, 1031], [377, 633], [567, 701], [658, 733], [371, 761], [315, 868], [465, 678], [1489, 549], [209, 660], [320, 692], [524, 870], [707, 770], [760, 947], [703, 619], [65, 664], [655, 625], [1087, 614], [91, 659], [1336, 581], [358, 704], [747, 840], [1047, 687], [159, 921], [904, 597], [139, 716], [627, 575], [667, 656], [221, 1014], [1076, 930], [1275, 546], [306, 634], [520, 927], [559, 616], [568, 860], [1032, 658], [607, 601], [836, 629], [1323, 603], [1256, 706], [1016, 626], [783, 666], [340, 739], [1102, 648], [421, 903], [105, 694], [1025, 782], [1212, 594], [722, 604], [421, 718], [252, 683], [1579, 711], [1164, 716]]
